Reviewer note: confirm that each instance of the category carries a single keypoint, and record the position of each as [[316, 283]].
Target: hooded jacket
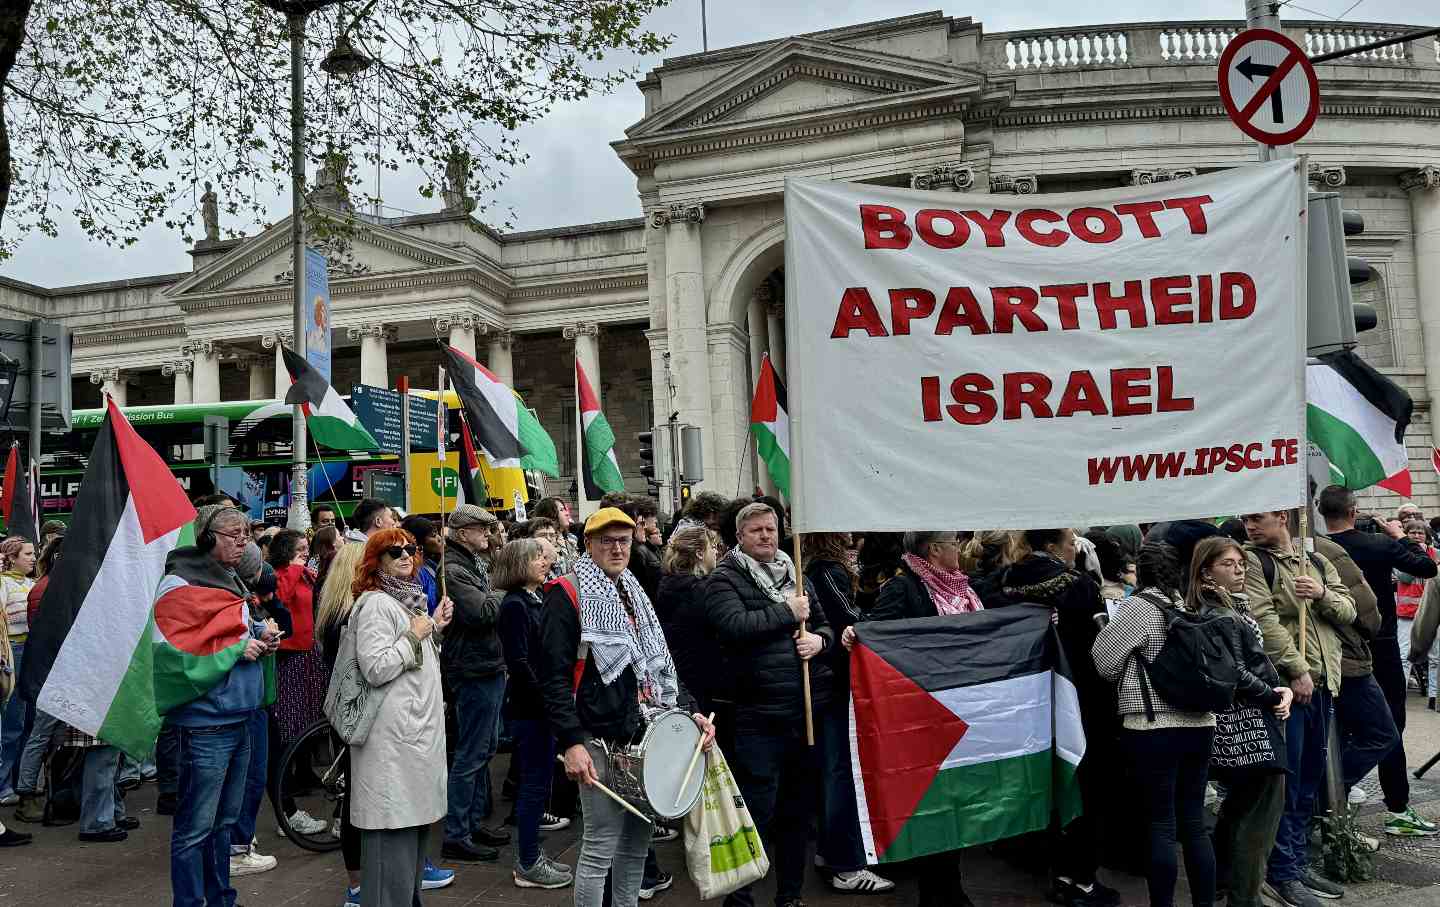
[[1278, 614]]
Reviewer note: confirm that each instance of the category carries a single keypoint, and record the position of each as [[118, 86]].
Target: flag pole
[[804, 664], [339, 517], [442, 429]]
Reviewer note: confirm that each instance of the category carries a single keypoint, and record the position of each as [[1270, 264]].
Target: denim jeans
[[1366, 729], [244, 831], [775, 772], [213, 763], [12, 728], [477, 714], [613, 842], [1170, 769], [1305, 739], [535, 754], [45, 731], [167, 759], [839, 840], [1390, 672], [101, 805]]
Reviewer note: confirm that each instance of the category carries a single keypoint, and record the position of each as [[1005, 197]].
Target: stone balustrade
[[1179, 43]]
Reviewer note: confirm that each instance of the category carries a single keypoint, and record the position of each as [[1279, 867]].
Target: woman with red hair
[[399, 771]]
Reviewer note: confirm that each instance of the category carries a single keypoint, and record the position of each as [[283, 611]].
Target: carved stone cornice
[[1330, 176], [104, 338], [443, 323], [954, 176], [244, 363], [1160, 175], [372, 329], [284, 338], [582, 329], [1018, 183], [1045, 116], [678, 213], [203, 348], [177, 367], [1424, 178], [581, 288], [107, 376], [499, 337], [808, 70], [395, 282]]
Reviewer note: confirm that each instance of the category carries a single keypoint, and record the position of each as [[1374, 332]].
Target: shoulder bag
[[351, 703]]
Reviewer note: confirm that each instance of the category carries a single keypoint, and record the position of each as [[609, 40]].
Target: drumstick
[[690, 769], [624, 804]]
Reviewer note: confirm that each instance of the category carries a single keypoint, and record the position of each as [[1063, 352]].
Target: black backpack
[[1195, 670]]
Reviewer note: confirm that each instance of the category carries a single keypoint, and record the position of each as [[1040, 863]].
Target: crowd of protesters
[[477, 651]]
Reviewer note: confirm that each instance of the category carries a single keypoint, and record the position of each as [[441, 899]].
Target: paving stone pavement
[[58, 871]]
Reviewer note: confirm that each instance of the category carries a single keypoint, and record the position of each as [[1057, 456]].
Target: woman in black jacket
[[680, 605], [828, 571], [1254, 801]]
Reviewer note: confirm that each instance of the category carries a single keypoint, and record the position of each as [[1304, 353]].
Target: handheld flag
[[472, 480], [88, 661], [1358, 417], [962, 731], [332, 423], [19, 505], [770, 424], [509, 433], [597, 446]]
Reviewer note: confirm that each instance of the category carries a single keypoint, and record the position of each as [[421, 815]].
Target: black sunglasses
[[398, 551]]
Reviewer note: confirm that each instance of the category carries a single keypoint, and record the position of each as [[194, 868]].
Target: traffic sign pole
[[1266, 14]]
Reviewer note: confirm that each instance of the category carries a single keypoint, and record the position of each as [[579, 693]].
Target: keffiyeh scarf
[[776, 579], [949, 589], [616, 643]]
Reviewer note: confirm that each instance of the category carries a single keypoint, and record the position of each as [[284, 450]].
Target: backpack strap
[[1140, 664], [566, 582], [1267, 566]]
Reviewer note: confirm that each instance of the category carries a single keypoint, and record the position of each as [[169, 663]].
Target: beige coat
[[399, 772]]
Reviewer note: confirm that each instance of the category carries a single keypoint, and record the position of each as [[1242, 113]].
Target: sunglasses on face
[[399, 551]]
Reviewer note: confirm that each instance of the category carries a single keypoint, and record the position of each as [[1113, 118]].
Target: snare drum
[[648, 774]]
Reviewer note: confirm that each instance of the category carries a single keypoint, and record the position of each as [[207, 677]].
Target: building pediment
[[801, 76], [361, 249]]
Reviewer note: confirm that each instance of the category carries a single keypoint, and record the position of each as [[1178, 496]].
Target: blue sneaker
[[352, 897], [435, 877]]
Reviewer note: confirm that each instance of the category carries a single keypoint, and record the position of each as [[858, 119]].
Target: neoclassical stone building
[[673, 309]]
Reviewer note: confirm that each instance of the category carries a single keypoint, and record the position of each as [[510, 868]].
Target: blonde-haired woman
[[680, 604], [15, 584]]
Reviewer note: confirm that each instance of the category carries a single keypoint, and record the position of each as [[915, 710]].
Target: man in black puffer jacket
[[770, 630], [474, 667]]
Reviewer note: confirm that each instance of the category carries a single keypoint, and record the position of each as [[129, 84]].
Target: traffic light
[[1334, 318], [647, 457]]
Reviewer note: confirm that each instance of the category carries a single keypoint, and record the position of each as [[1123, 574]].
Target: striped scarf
[[950, 589], [617, 643]]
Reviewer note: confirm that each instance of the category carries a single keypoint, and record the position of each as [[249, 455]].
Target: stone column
[[1424, 188], [278, 340], [686, 318], [758, 317], [180, 369], [374, 370], [260, 377], [586, 336], [499, 360], [112, 384], [461, 330], [206, 382]]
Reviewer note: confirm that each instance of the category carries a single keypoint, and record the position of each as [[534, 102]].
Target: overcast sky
[[573, 177]]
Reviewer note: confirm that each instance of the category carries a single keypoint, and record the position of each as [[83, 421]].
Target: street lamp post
[[342, 61]]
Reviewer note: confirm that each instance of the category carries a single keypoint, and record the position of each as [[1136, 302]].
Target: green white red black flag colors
[[89, 657], [1358, 417], [19, 503], [504, 428], [600, 469], [332, 423], [963, 730], [770, 424], [472, 480]]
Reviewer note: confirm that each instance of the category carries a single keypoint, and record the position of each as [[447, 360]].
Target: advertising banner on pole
[[317, 313], [1000, 361]]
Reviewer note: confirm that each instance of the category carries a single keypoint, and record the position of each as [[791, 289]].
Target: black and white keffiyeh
[[776, 579], [614, 642]]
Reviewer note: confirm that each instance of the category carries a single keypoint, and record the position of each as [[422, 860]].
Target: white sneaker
[[306, 824], [335, 829], [1358, 795], [250, 863], [861, 881], [1212, 796]]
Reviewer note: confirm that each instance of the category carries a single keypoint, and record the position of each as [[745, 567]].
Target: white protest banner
[[1020, 362]]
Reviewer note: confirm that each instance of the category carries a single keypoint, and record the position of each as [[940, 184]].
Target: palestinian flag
[[18, 504], [88, 658], [1358, 417], [597, 443], [200, 634], [472, 483], [770, 424], [963, 730], [507, 432], [332, 424]]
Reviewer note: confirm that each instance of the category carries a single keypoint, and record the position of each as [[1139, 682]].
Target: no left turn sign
[[1269, 87]]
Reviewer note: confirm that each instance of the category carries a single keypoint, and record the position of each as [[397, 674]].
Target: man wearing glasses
[[474, 668], [599, 622]]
